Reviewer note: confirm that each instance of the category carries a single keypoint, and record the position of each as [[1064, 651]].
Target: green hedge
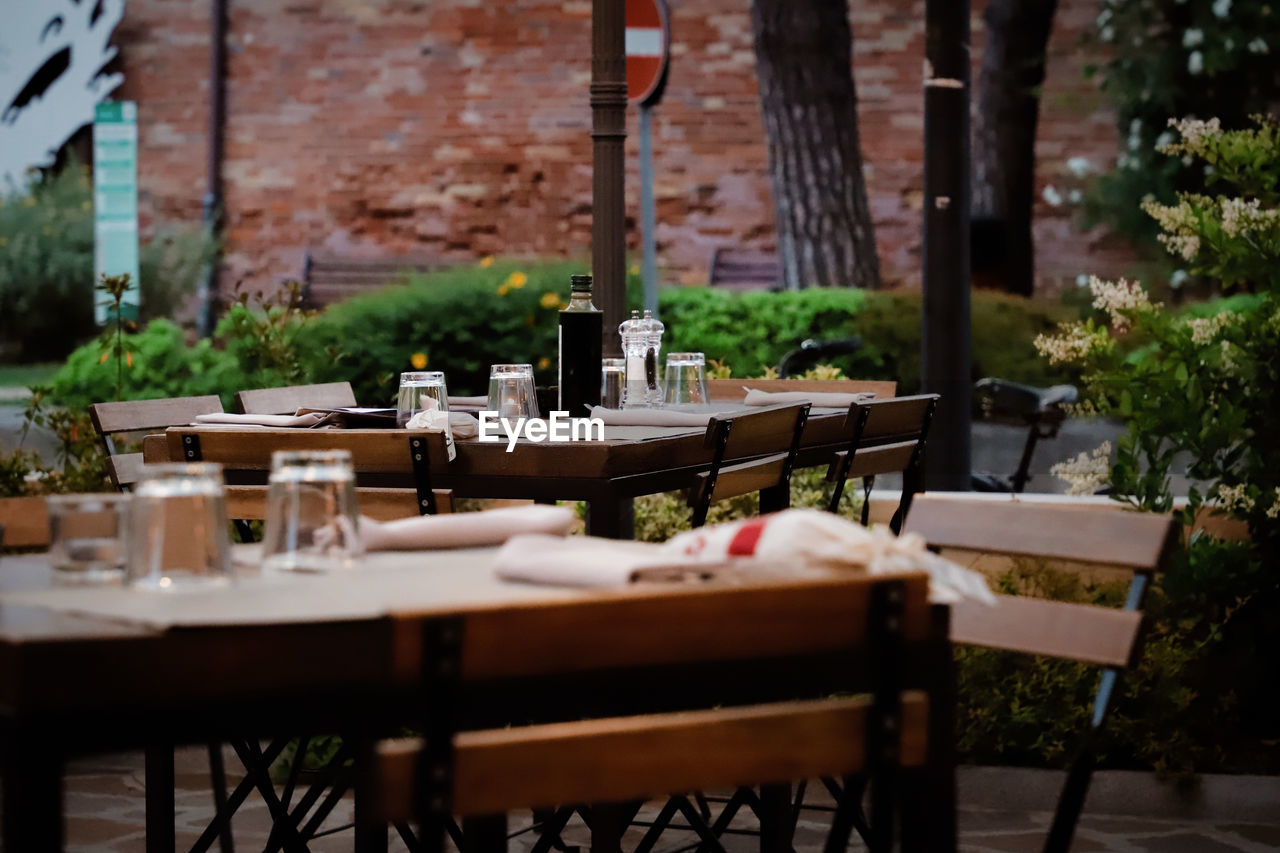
[[464, 319]]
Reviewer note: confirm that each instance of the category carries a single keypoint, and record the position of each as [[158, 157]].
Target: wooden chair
[[743, 269], [375, 455], [765, 442], [731, 389], [884, 436], [1142, 542], [287, 400], [721, 694], [112, 420], [330, 278]]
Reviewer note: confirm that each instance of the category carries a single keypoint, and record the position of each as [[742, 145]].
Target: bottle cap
[[580, 284]]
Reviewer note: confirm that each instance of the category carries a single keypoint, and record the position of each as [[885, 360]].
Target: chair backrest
[[374, 452], [287, 400], [693, 704], [141, 416], [24, 523], [884, 435], [731, 389], [765, 442], [744, 269], [1142, 542]]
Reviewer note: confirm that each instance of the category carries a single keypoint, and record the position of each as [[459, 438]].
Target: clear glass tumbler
[[415, 388], [511, 391], [686, 379], [311, 512], [613, 379], [88, 536], [178, 536]]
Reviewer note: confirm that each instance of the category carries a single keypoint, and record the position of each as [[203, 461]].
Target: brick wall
[[460, 128]]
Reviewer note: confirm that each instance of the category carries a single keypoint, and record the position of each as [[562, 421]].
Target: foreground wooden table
[[91, 669]]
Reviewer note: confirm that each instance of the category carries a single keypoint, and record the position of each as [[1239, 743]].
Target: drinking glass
[[178, 527], [511, 391], [311, 512], [416, 386], [613, 380], [87, 537], [686, 380]]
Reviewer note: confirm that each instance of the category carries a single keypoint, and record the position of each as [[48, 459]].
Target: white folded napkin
[[466, 529], [797, 540], [308, 420], [459, 424], [822, 399], [469, 402], [650, 417]]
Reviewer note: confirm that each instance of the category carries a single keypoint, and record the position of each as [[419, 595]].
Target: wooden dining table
[[629, 462], [95, 668]]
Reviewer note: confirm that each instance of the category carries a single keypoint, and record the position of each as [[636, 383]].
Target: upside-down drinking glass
[[311, 512], [686, 379], [511, 391], [178, 535]]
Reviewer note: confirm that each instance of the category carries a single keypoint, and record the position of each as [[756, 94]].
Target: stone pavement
[[105, 811]]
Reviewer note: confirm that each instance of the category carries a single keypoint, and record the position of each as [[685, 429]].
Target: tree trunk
[[804, 64], [1004, 161]]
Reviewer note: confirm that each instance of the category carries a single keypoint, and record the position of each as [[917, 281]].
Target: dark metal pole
[[212, 202], [945, 316], [608, 130]]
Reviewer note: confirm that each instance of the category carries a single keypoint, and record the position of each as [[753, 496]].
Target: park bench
[[744, 269], [330, 278]]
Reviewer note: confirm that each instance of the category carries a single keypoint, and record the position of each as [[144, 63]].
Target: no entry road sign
[[647, 42]]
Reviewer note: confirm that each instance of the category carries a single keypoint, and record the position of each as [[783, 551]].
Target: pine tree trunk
[[804, 65], [1004, 158]]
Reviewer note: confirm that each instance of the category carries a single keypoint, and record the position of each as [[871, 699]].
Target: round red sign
[[648, 38]]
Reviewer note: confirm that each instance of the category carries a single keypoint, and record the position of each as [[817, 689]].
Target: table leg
[[612, 518], [159, 781], [32, 792]]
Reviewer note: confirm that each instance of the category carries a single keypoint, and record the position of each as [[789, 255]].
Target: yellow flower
[[128, 358], [544, 363], [634, 269], [84, 205], [517, 280], [418, 360], [486, 262], [504, 289], [4, 241], [550, 300], [103, 358]]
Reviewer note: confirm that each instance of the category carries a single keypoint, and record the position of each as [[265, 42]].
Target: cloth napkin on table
[[822, 399], [460, 424], [466, 529], [469, 402], [310, 419], [650, 417], [796, 540]]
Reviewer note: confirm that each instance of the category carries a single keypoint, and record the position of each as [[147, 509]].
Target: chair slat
[[900, 416], [1115, 537], [287, 400], [668, 625], [372, 450], [639, 757], [1080, 632], [139, 415], [744, 478], [876, 460], [125, 469]]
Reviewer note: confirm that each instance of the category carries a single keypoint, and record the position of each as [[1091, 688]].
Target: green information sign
[[115, 202]]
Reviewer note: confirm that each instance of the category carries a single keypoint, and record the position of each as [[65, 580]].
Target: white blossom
[[1086, 472], [1073, 343], [1052, 196], [1079, 166], [1258, 45], [1165, 138], [1221, 8], [1119, 299], [1192, 37], [1233, 499], [1082, 280], [1239, 215], [1205, 329], [1195, 62], [1178, 279], [1194, 130], [1273, 511]]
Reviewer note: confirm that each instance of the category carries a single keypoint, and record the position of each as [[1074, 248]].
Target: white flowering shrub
[[1206, 385], [1184, 58]]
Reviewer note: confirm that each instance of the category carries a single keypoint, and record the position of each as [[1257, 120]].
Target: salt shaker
[[635, 344]]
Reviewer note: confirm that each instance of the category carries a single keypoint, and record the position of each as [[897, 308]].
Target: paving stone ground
[[104, 804]]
